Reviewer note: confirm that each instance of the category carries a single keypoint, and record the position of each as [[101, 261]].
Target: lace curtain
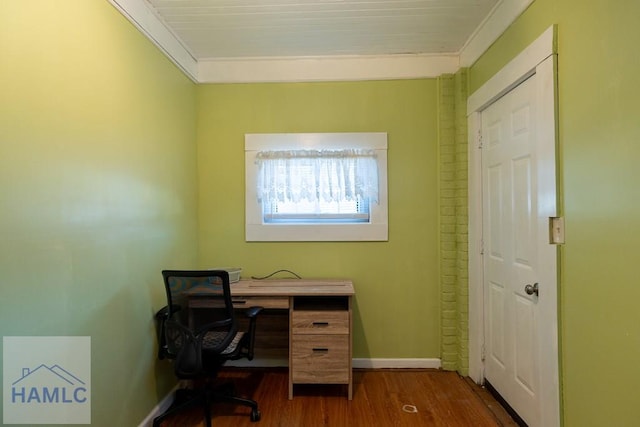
[[317, 175]]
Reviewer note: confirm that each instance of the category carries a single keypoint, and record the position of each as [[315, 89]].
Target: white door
[[516, 250]]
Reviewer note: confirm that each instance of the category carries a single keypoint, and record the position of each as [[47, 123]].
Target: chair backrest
[[186, 328]]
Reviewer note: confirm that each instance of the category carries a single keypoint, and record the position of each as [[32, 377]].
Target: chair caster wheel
[[255, 415]]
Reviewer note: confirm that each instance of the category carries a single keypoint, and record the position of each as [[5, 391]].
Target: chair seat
[[212, 339]]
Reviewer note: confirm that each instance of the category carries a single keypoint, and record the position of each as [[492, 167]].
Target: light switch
[[556, 230]]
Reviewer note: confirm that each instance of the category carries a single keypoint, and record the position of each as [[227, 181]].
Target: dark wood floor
[[381, 398]]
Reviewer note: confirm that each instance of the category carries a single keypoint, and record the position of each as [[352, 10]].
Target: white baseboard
[[162, 406], [357, 363], [396, 363]]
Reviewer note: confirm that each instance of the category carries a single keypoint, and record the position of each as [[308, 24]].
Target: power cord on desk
[[276, 272]]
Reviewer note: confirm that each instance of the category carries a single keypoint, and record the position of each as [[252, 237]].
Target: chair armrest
[[163, 313], [162, 316], [252, 315], [252, 312]]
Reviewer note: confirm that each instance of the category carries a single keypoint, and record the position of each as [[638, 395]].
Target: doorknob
[[530, 290]]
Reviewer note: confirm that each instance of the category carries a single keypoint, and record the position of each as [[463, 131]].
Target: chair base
[[187, 398]]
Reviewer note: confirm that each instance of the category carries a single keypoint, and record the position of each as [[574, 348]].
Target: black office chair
[[200, 341]]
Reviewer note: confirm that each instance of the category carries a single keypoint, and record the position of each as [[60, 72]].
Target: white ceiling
[[293, 28], [315, 40]]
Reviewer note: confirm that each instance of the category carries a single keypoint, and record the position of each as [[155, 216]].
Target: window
[[316, 187]]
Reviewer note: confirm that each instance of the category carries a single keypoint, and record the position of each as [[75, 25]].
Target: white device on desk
[[234, 273]]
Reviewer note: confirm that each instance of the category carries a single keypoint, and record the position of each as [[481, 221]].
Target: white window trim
[[257, 231]]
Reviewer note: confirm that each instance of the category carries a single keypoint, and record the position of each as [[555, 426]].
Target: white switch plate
[[556, 230]]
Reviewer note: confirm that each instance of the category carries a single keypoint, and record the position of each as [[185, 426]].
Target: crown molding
[[327, 68], [149, 24]]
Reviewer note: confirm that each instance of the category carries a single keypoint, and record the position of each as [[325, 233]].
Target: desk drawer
[[241, 302], [320, 359], [266, 302], [320, 322]]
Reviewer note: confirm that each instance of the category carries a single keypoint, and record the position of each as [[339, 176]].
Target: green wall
[[397, 289], [97, 190], [102, 186], [599, 134]]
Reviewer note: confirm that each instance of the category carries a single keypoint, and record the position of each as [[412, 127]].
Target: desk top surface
[[288, 287]]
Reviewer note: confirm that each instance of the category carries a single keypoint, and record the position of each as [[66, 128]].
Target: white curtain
[[317, 175]]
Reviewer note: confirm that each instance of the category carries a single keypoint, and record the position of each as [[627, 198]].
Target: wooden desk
[[320, 324]]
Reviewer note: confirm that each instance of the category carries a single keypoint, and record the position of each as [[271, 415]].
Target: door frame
[[539, 58]]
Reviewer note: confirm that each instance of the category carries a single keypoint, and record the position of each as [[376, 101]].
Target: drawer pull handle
[[320, 350], [320, 323], [239, 301]]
